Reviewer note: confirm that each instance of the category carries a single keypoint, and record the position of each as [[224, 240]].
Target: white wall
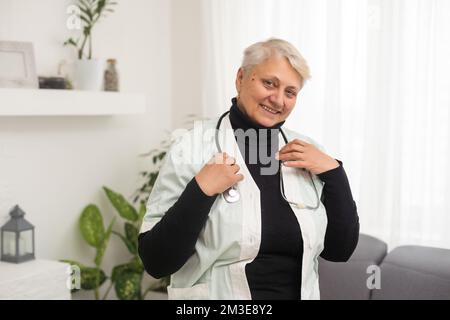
[[186, 60], [54, 166]]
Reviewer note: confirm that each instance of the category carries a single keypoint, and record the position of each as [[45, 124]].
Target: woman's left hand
[[300, 154]]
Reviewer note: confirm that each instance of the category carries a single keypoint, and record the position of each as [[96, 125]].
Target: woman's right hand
[[219, 174]]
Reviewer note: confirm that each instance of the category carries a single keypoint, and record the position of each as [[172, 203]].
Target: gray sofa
[[405, 273]]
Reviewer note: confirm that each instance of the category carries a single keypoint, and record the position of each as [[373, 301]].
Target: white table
[[34, 280]]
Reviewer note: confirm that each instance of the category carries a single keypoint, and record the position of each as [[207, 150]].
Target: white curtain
[[378, 99]]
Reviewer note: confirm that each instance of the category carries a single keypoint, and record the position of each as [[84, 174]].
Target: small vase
[[88, 74]]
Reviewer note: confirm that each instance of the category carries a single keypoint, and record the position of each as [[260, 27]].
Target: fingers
[[300, 142], [296, 164], [295, 145], [229, 160], [222, 158], [292, 147], [226, 159], [291, 156]]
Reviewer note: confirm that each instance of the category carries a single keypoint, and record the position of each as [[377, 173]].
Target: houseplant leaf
[[102, 248], [137, 264], [89, 278], [123, 207], [70, 41], [142, 211], [84, 3], [127, 243], [153, 178], [134, 266], [118, 270], [131, 232], [88, 13], [91, 225], [128, 286]]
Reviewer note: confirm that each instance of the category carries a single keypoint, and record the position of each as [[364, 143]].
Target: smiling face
[[268, 92]]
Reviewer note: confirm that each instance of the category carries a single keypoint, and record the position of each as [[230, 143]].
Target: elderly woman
[[251, 222]]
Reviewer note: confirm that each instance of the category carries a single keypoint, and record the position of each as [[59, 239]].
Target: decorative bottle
[[111, 76]]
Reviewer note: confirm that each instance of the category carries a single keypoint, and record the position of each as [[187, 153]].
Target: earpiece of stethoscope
[[231, 195]]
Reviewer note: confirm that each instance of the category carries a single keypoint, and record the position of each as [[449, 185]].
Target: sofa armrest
[[348, 280]]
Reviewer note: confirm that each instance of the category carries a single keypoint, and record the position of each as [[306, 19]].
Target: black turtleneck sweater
[[276, 271]]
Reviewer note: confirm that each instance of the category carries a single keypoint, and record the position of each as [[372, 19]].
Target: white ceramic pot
[[89, 74]]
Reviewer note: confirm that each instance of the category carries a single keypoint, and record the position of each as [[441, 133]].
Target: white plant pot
[[89, 74]]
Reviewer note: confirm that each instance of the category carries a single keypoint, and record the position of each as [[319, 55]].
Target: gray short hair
[[260, 51]]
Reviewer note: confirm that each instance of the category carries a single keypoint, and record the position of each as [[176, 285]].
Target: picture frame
[[17, 65]]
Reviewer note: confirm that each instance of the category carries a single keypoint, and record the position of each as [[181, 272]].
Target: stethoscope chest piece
[[231, 195]]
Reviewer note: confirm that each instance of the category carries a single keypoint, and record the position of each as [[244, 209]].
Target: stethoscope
[[232, 194]]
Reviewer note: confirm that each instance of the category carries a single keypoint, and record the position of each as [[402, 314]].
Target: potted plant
[[125, 278], [88, 72]]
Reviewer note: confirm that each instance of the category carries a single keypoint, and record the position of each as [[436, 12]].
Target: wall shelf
[[49, 102]]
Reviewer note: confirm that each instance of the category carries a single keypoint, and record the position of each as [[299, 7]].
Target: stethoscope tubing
[[232, 195]]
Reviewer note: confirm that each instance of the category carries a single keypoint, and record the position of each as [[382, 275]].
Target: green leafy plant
[[149, 176], [89, 13], [126, 278], [157, 155]]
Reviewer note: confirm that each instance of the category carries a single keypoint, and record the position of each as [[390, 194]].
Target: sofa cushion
[[348, 280], [415, 272]]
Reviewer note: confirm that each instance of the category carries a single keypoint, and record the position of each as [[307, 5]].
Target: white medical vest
[[231, 236]]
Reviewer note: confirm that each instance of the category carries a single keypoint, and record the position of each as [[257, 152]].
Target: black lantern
[[17, 238]]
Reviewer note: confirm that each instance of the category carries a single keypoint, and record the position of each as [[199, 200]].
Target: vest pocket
[[197, 292]]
